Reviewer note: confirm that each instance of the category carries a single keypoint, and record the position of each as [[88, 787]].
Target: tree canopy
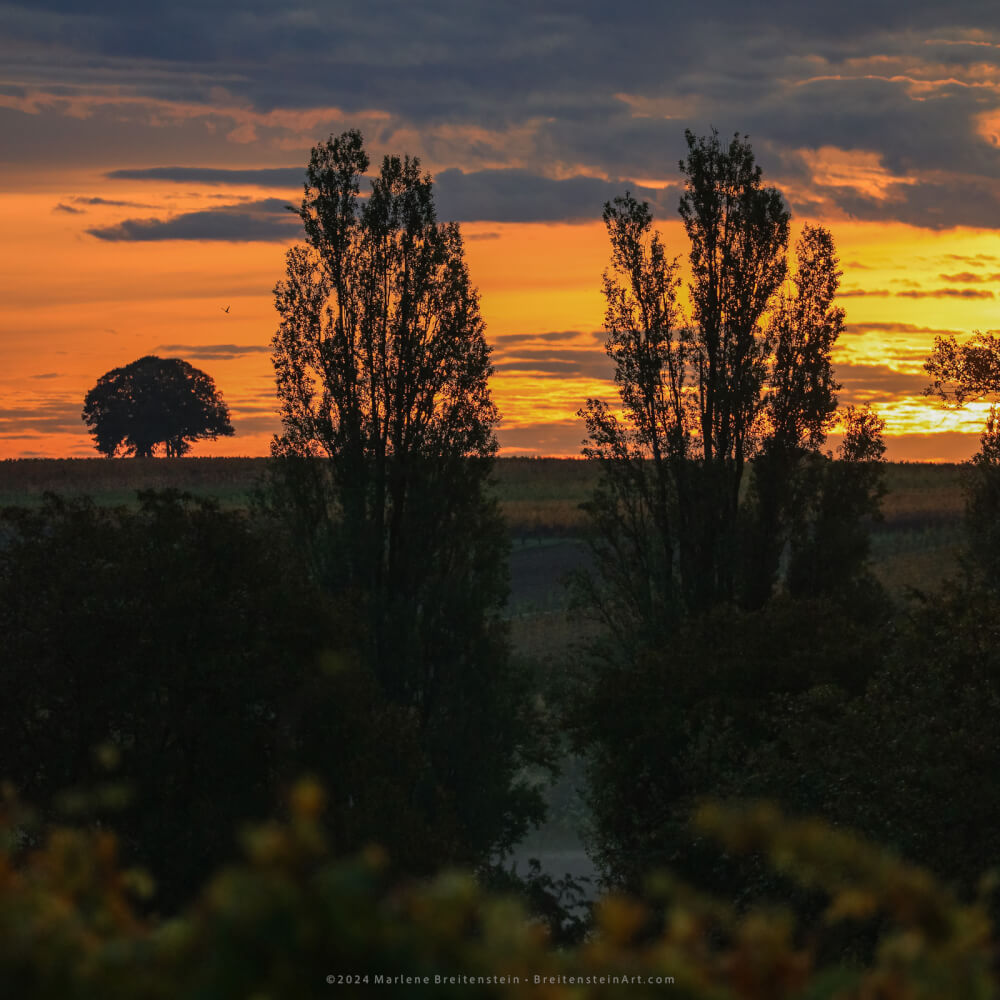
[[133, 409], [963, 372], [384, 460], [747, 379], [725, 541]]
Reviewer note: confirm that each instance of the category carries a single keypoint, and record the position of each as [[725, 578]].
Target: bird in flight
[[226, 309]]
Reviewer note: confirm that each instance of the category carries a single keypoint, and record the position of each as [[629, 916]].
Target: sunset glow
[[143, 193]]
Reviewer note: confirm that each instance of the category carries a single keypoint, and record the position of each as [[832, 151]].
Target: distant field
[[540, 497], [114, 481], [916, 546]]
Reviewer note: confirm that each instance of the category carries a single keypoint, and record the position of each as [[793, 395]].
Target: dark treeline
[[749, 652], [172, 668]]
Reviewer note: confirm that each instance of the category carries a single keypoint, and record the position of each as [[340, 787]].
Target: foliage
[[837, 501], [982, 505], [187, 643], [963, 372], [960, 372], [681, 722], [292, 921], [154, 401], [720, 528], [383, 471], [909, 759], [747, 384]]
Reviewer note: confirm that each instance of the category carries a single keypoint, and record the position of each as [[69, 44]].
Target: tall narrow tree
[[715, 500], [745, 383], [383, 376]]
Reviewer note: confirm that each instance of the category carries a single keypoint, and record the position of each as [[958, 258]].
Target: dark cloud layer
[[876, 383], [281, 177], [565, 364], [112, 202], [487, 195], [266, 220], [549, 88], [521, 196]]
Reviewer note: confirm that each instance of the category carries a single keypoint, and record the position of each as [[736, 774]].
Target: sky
[[148, 153]]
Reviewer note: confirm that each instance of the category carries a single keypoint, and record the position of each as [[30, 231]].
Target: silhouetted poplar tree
[[744, 382], [386, 451]]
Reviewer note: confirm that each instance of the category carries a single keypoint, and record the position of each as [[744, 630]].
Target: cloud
[[256, 425], [595, 366], [541, 439], [68, 209], [266, 220], [977, 258], [109, 201], [893, 327], [508, 195], [47, 375], [875, 383], [213, 352], [543, 361], [549, 336], [884, 114], [44, 416], [961, 200], [280, 177], [516, 195], [947, 293], [857, 293], [966, 277]]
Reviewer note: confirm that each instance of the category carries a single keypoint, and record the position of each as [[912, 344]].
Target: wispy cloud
[[214, 352], [872, 326], [280, 177], [267, 220], [968, 277], [43, 416], [946, 293], [555, 336], [874, 383], [110, 201]]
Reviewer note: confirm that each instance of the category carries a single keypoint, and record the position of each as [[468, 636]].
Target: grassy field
[[539, 495], [916, 545]]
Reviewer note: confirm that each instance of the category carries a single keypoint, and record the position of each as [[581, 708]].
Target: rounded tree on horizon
[[154, 401]]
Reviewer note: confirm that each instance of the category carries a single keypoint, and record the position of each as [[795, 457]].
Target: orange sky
[[76, 306], [148, 151]]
